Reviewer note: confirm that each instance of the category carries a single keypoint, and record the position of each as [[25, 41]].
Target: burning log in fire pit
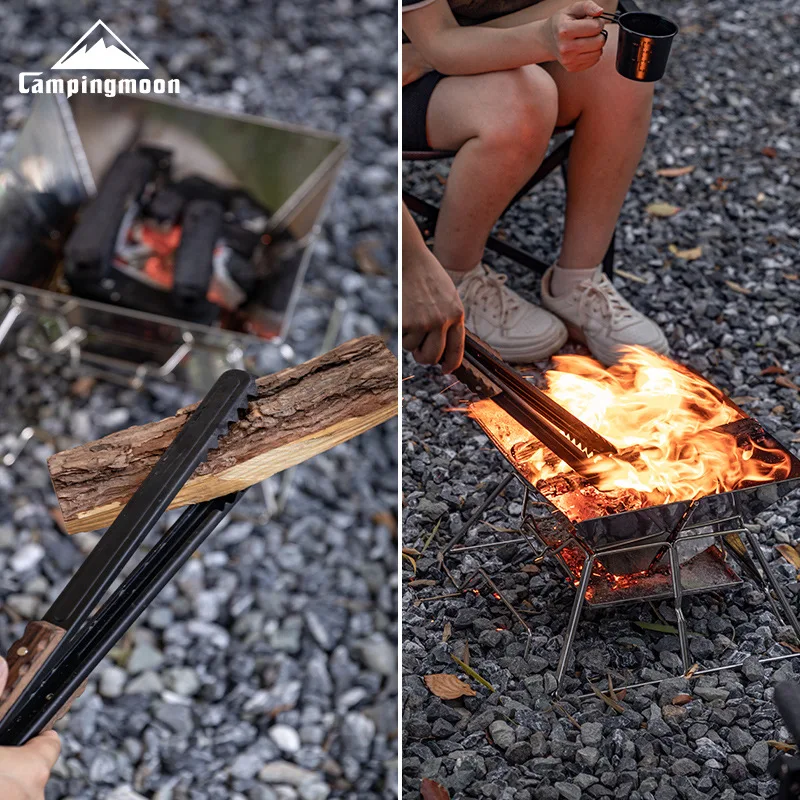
[[679, 438]]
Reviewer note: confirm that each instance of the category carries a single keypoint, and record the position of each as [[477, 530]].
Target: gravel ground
[[267, 668], [729, 108]]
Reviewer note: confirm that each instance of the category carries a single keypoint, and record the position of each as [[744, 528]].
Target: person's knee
[[527, 110], [631, 98]]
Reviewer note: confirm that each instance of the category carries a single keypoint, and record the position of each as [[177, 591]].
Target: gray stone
[[502, 734], [286, 737], [112, 681], [569, 791], [758, 758], [144, 657], [591, 733]]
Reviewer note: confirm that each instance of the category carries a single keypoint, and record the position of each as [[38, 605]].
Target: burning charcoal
[[166, 206]]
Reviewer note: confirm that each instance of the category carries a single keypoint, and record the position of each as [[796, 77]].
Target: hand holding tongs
[[485, 372], [49, 665]]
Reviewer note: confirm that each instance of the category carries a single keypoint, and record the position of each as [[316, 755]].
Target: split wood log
[[299, 412]]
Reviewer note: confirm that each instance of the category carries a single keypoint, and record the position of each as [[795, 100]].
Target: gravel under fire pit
[[267, 670], [729, 106]]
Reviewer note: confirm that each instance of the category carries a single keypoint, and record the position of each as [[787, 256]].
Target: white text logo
[[98, 49]]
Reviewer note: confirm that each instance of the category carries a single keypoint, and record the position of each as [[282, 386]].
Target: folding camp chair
[[557, 157]]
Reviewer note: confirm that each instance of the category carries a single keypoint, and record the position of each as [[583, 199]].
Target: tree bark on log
[[299, 412]]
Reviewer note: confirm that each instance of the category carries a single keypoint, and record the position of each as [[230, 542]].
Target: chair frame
[[557, 157]]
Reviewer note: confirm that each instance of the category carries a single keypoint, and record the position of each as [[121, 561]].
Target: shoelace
[[603, 297], [486, 286]]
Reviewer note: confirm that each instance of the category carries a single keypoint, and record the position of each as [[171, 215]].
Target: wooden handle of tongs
[[25, 658]]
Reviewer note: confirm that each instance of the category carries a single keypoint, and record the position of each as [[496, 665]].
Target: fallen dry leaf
[[789, 646], [447, 632], [630, 276], [737, 287], [773, 369], [431, 790], [675, 172], [447, 686], [786, 383], [388, 520], [769, 152], [531, 569], [411, 551], [691, 671], [743, 399], [681, 699], [407, 557], [662, 210], [784, 747], [791, 276], [790, 554], [692, 254], [82, 387], [365, 255]]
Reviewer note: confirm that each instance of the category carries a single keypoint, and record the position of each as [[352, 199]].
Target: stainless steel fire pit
[[654, 553], [63, 152]]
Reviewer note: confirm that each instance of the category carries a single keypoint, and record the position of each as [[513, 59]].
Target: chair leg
[[427, 211], [608, 258]]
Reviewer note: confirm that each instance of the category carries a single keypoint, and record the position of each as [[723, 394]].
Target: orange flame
[[646, 404]]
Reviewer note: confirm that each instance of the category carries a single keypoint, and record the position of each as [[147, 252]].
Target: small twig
[[432, 534], [422, 600], [566, 713], [471, 672], [607, 700]]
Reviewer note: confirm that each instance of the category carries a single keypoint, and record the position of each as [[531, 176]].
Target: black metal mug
[[643, 45]]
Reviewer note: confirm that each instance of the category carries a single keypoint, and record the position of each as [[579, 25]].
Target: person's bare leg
[[500, 124], [613, 120]]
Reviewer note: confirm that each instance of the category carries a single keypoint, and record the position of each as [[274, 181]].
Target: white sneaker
[[599, 315], [520, 331]]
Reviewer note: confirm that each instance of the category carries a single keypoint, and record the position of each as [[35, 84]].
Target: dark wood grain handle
[[25, 658]]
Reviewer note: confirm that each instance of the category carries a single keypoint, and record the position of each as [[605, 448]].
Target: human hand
[[414, 65], [433, 317], [576, 36], [24, 771]]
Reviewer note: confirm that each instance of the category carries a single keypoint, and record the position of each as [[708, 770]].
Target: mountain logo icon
[[100, 48]]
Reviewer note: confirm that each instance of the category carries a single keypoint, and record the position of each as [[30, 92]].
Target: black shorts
[[416, 97]]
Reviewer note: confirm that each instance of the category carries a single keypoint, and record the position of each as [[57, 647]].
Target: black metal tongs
[[485, 372], [50, 663]]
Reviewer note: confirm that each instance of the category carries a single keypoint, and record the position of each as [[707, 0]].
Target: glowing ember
[[665, 421]]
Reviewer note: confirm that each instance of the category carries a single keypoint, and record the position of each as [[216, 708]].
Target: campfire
[[679, 438]]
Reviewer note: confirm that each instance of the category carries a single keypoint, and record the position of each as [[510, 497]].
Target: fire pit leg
[[677, 591], [477, 515], [574, 618], [776, 587], [15, 308]]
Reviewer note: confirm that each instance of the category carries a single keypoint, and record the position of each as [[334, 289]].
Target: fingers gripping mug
[[643, 45]]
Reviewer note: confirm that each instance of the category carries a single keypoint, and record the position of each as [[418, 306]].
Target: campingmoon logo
[[98, 49]]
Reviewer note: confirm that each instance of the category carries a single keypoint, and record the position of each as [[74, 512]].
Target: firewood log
[[299, 412]]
